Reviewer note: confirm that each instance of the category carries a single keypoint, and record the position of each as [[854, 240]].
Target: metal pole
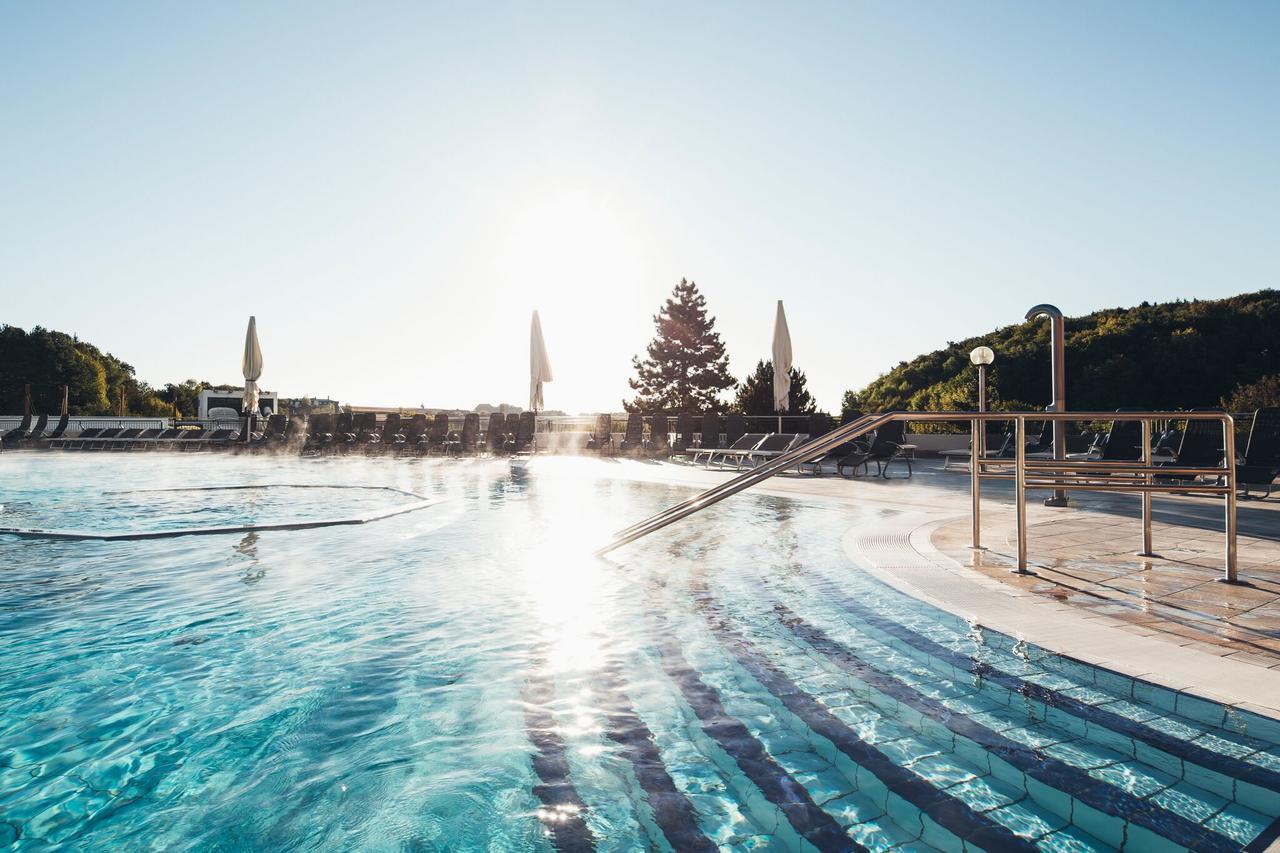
[[1058, 370], [66, 394], [982, 388], [1146, 496], [26, 400], [975, 482], [1020, 491], [1229, 462]]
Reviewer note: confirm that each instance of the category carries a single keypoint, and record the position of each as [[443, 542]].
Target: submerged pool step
[[1177, 812], [1205, 756], [941, 819]]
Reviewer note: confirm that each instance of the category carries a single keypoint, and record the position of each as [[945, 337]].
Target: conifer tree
[[755, 393], [686, 369]]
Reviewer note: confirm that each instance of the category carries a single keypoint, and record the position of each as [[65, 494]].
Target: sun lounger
[[59, 429], [833, 456], [685, 425], [773, 445], [393, 436], [465, 442], [709, 437], [659, 436], [1261, 464], [495, 435], [1200, 447], [522, 439], [633, 438], [735, 427], [37, 432], [13, 436], [601, 440], [745, 443]]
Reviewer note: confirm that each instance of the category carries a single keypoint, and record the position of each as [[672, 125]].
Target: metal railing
[[1141, 477]]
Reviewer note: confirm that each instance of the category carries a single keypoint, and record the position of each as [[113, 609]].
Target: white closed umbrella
[[539, 364], [252, 369], [781, 364]]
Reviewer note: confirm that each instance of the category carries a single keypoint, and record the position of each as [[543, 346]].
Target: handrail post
[[1020, 491], [975, 481], [1229, 463], [1146, 495]]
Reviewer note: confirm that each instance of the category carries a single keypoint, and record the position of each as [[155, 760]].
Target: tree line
[[686, 368], [96, 381]]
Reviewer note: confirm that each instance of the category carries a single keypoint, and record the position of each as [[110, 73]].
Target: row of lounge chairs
[[276, 431], [24, 434], [1199, 445], [691, 432], [361, 432]]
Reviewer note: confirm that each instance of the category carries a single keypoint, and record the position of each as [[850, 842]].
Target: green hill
[[1171, 355], [47, 360]]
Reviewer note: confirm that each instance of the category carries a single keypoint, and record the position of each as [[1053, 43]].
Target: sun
[[567, 246]]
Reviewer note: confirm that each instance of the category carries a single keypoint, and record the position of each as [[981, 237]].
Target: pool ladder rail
[[1057, 473]]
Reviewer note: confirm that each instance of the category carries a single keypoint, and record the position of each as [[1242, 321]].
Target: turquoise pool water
[[467, 677]]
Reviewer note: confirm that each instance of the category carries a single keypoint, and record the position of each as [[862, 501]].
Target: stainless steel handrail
[[1056, 474]]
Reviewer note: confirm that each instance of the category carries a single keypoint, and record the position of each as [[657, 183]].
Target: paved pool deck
[[1166, 619]]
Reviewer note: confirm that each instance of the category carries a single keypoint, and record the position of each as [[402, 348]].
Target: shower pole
[[1057, 367]]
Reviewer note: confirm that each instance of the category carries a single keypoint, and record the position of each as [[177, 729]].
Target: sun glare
[[566, 245]]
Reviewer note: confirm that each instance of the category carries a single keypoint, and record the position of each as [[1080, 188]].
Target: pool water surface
[[469, 677]]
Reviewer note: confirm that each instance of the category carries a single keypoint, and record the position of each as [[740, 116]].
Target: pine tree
[[755, 393], [687, 368]]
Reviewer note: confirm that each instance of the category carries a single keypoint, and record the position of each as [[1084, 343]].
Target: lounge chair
[[146, 439], [319, 432], [37, 432], [416, 429], [495, 435], [437, 437], [512, 426], [837, 453], [998, 445], [193, 439], [601, 440], [13, 436], [522, 439], [633, 439], [1201, 447], [743, 444], [735, 427], [819, 424], [888, 447], [1261, 463], [344, 430], [773, 445], [104, 439], [365, 426], [276, 430], [659, 436], [393, 436], [685, 425], [59, 429], [468, 439], [1123, 442], [709, 438]]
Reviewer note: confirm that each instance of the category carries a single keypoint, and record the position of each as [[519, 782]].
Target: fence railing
[[1056, 473]]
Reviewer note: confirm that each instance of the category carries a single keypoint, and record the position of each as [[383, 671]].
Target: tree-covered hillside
[[1170, 355], [47, 360]]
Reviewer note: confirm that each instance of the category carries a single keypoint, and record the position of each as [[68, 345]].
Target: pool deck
[[1166, 619]]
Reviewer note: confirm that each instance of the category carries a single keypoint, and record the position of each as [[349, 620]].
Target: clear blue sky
[[392, 188]]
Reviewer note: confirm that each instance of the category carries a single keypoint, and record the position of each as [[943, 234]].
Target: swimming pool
[[466, 676]]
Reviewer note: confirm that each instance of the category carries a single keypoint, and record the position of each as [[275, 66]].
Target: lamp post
[[981, 357]]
